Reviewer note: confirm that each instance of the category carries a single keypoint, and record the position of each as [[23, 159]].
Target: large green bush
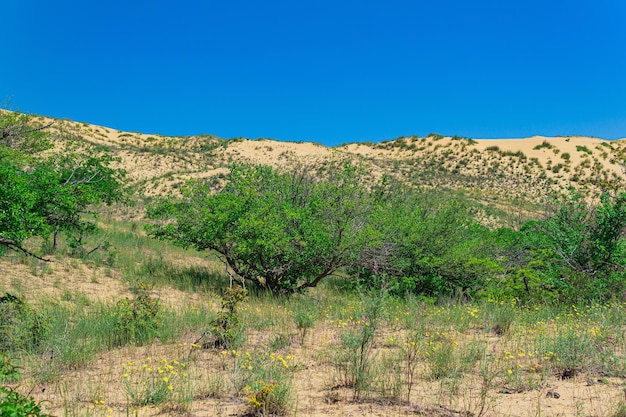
[[44, 193], [578, 253], [430, 245], [282, 231]]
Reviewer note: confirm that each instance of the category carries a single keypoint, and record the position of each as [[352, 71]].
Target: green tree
[[42, 193], [577, 253], [431, 245], [282, 231]]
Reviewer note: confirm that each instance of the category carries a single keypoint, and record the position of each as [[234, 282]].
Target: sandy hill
[[505, 174]]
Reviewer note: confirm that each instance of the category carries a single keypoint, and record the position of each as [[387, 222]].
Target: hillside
[[507, 177], [139, 326]]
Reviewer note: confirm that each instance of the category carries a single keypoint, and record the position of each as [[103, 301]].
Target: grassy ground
[[121, 336]]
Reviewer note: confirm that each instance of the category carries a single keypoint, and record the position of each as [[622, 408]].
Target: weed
[[304, 317], [9, 372], [356, 342], [411, 358]]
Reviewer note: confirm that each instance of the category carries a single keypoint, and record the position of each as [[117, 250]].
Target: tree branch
[[14, 246]]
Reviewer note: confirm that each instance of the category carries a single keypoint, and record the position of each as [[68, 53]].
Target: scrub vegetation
[[303, 289]]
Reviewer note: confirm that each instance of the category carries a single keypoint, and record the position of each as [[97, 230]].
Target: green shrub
[[14, 404], [576, 254], [544, 144], [136, 321], [8, 371], [226, 331], [284, 232], [21, 327]]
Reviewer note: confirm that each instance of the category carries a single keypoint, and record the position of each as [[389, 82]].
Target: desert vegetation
[[319, 287]]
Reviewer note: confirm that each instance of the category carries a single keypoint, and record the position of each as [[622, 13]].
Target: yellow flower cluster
[[259, 398], [100, 406], [472, 312], [154, 375], [287, 361]]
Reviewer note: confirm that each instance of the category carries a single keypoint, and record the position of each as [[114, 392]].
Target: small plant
[[268, 398], [411, 358], [304, 319], [137, 320], [502, 316], [356, 344], [155, 382], [442, 359], [225, 330], [21, 327], [14, 404], [264, 377], [544, 144], [8, 371]]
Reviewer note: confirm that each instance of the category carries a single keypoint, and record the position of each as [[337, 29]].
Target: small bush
[[21, 327], [8, 371], [225, 332], [14, 404], [155, 382], [137, 320], [544, 144], [269, 398]]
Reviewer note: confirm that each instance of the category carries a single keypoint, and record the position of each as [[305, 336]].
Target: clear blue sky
[[326, 71]]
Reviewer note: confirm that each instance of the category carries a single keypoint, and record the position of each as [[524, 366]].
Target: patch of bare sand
[[66, 278]]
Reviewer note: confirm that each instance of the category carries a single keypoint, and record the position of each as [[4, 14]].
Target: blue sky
[[324, 71]]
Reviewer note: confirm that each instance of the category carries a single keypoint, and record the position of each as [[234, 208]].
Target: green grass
[[365, 342]]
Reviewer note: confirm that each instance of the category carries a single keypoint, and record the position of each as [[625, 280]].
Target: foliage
[[42, 193], [21, 327], [225, 329], [282, 231], [138, 320], [578, 253], [354, 357], [9, 372], [430, 247], [304, 316], [14, 404], [155, 382]]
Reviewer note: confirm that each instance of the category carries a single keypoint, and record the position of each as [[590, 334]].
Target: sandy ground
[[75, 391]]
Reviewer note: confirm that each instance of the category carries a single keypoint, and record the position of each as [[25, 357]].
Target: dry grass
[[470, 378], [478, 382]]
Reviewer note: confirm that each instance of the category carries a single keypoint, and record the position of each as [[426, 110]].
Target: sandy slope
[[496, 172]]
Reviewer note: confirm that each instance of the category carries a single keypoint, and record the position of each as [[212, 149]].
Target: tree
[[578, 252], [282, 231], [42, 193], [431, 244]]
